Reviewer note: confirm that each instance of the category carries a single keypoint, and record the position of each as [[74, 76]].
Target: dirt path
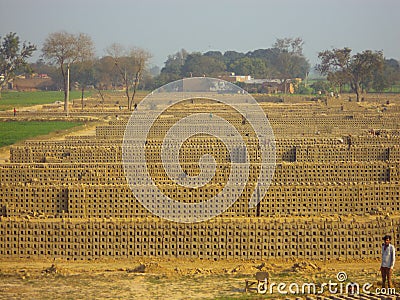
[[4, 154]]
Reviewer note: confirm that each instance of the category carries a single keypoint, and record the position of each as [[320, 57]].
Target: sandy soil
[[154, 278]]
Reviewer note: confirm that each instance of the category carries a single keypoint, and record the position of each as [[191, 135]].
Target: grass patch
[[14, 131], [9, 100]]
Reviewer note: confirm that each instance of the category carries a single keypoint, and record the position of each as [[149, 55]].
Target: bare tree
[[130, 64], [63, 49], [140, 59], [117, 52]]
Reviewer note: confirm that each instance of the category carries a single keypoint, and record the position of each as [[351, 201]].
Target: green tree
[[290, 61], [320, 86], [356, 69], [164, 78], [231, 56], [216, 54], [338, 79], [63, 49], [269, 56], [388, 77], [255, 67], [197, 64], [174, 64], [13, 57]]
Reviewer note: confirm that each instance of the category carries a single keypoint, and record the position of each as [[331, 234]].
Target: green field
[[9, 100], [14, 131]]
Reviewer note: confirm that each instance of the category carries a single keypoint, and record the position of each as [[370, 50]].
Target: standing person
[[15, 111], [388, 259]]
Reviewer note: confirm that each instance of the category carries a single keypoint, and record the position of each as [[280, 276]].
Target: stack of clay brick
[[334, 193]]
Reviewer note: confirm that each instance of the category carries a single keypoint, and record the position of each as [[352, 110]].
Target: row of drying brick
[[280, 128], [281, 173], [90, 154], [248, 238], [82, 201]]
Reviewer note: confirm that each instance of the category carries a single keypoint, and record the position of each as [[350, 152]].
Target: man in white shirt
[[388, 259]]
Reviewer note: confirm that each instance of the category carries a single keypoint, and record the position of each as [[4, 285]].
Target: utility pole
[[67, 98], [306, 79]]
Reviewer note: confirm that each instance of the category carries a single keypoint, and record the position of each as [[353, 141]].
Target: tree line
[[284, 60], [63, 53]]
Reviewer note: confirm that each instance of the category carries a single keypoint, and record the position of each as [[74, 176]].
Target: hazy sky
[[164, 27]]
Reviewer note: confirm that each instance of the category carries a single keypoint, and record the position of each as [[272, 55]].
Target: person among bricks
[[388, 259]]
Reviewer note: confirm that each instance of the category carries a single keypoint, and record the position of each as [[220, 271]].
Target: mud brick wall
[[118, 201], [337, 176], [244, 238], [285, 173]]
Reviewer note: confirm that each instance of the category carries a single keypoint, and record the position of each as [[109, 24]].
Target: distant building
[[272, 86], [32, 82], [236, 78], [265, 85]]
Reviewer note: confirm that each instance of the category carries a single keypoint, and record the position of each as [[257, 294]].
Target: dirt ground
[[156, 278]]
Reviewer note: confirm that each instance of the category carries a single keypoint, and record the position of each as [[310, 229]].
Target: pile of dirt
[[264, 267], [149, 268], [55, 270], [304, 267]]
